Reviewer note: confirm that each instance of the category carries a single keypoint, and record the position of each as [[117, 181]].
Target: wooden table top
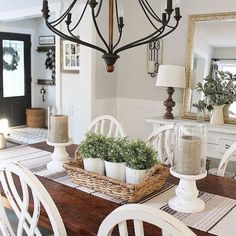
[[83, 213]]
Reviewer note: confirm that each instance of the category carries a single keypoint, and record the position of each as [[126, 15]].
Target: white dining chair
[[170, 225], [32, 190], [162, 141], [225, 159], [107, 125]]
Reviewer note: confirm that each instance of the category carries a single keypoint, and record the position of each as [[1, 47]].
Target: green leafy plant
[[93, 146], [117, 149], [218, 89], [201, 105], [141, 156]]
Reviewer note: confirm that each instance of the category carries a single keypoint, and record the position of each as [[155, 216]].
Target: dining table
[[82, 213]]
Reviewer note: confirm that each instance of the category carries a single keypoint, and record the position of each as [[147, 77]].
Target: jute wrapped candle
[[189, 155], [58, 132]]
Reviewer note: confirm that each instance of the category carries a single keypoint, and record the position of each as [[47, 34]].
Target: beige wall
[[132, 79]]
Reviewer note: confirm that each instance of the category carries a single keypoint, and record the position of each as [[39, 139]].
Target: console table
[[219, 139]]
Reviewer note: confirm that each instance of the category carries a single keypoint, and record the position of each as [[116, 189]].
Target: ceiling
[[218, 33]]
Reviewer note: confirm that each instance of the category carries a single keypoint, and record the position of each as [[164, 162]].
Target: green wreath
[[14, 58]]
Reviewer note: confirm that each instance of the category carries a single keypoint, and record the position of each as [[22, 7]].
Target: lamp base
[[169, 103]]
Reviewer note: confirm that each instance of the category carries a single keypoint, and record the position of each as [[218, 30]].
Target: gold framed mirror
[[210, 38]]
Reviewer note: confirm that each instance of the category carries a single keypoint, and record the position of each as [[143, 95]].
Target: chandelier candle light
[[111, 48], [189, 165]]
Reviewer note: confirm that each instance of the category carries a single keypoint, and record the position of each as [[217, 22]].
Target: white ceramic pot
[[135, 176], [95, 165], [115, 170], [217, 117]]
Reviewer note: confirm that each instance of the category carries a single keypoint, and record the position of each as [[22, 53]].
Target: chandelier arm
[[146, 39], [153, 13], [60, 19], [74, 39], [98, 31], [147, 8], [99, 8], [119, 28], [81, 16], [128, 46], [117, 17], [162, 36], [144, 11], [118, 41]]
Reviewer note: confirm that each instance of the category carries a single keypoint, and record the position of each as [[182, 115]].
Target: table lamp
[[170, 76]]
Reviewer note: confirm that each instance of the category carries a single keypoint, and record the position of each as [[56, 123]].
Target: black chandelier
[[161, 26]]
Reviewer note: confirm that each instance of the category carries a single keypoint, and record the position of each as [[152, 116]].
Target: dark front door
[[15, 77]]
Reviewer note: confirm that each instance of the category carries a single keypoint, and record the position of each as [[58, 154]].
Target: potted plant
[[218, 89], [93, 150], [115, 158], [231, 91], [201, 107], [141, 157]]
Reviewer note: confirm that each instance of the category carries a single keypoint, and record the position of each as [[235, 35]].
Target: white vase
[[115, 170], [135, 176], [95, 165], [217, 117]]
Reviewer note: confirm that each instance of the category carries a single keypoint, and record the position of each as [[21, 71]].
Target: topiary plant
[[141, 156], [117, 150], [93, 146]]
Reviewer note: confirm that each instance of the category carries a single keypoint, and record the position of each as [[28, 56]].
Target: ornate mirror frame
[[192, 20]]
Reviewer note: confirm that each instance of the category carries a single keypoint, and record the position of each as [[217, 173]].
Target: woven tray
[[124, 191]]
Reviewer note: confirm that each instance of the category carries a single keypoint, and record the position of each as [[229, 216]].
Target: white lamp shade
[[171, 76]]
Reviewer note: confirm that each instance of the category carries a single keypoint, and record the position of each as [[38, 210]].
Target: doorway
[[15, 77]]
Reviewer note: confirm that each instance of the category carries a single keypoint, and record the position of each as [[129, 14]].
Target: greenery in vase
[[117, 149], [94, 146], [201, 106], [218, 89], [141, 156]]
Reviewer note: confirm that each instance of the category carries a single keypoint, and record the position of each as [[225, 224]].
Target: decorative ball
[[110, 68]]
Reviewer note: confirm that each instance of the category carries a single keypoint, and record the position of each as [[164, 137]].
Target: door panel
[[15, 77]]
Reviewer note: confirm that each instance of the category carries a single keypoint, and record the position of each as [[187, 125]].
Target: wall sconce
[[154, 57]]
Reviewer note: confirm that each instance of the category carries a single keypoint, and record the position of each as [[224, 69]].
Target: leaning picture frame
[[70, 56]]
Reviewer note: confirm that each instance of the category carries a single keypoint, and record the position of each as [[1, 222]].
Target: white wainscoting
[[106, 106], [132, 113]]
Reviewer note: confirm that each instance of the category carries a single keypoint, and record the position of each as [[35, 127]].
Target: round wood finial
[[110, 68]]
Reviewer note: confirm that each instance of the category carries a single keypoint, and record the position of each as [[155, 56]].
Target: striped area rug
[[218, 217]]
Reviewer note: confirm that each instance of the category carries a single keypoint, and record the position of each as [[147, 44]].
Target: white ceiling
[[218, 33]]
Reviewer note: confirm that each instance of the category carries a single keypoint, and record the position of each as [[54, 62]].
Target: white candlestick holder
[[59, 156], [186, 199]]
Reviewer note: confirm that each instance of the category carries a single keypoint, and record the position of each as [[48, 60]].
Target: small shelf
[[45, 48], [45, 82]]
